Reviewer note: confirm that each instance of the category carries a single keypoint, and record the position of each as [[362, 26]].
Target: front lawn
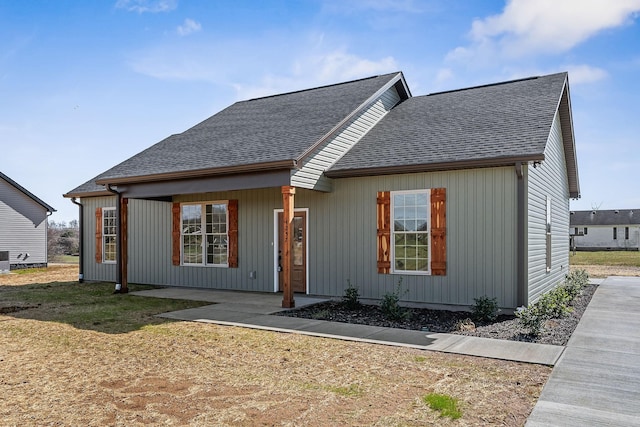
[[608, 258], [86, 305], [76, 354]]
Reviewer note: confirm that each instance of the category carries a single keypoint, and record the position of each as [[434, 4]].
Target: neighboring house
[[600, 230], [457, 194], [23, 226]]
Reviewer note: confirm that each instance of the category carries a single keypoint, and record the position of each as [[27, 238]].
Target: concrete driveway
[[596, 382]]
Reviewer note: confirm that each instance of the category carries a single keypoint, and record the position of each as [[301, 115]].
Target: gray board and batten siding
[[345, 144], [311, 174], [548, 179], [481, 242], [23, 226]]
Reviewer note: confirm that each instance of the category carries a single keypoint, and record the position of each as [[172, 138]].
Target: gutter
[[119, 288], [521, 294], [81, 238], [80, 194], [198, 173], [433, 167]]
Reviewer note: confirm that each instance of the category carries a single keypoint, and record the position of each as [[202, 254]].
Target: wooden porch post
[[288, 203]]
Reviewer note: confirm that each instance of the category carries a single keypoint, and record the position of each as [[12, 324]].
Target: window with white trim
[[410, 225], [548, 234], [204, 233], [108, 235]]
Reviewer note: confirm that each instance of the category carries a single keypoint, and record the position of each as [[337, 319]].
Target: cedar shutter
[[439, 231], [384, 232], [232, 208], [175, 234], [99, 235]]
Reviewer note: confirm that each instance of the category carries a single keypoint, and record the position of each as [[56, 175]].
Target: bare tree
[[62, 239]]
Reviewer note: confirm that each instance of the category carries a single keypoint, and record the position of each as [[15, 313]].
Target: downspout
[[81, 238], [118, 288], [521, 295]]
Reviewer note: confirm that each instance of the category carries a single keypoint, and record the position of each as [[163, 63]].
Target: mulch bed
[[506, 327]]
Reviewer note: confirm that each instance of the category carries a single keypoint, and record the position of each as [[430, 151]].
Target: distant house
[[456, 194], [600, 230], [23, 226]]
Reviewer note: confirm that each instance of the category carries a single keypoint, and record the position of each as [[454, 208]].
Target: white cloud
[[544, 26], [259, 67], [189, 26], [151, 6], [579, 74], [317, 70], [339, 65]]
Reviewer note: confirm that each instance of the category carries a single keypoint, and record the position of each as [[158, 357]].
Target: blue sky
[[87, 84]]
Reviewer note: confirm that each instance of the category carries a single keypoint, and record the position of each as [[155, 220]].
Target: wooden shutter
[[232, 208], [439, 231], [175, 234], [384, 232], [99, 235]]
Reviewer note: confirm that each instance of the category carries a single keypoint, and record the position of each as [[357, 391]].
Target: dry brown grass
[[601, 271], [180, 373]]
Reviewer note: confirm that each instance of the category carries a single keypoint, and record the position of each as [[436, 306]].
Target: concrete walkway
[[596, 382], [252, 310]]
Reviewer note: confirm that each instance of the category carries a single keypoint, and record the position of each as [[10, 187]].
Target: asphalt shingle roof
[[505, 120], [487, 124], [605, 217], [270, 129]]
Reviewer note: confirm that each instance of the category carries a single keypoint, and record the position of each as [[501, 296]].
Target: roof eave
[[80, 194], [198, 173], [568, 138], [433, 167]]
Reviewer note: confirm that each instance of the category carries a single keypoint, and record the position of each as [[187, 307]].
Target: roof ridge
[[492, 84], [319, 87]]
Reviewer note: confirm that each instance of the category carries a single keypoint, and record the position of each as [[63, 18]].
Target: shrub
[[351, 295], [389, 304], [554, 304], [575, 282], [579, 276], [485, 309], [531, 318]]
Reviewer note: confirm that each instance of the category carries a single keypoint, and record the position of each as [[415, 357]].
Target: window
[[204, 236], [109, 234], [585, 231], [615, 233], [548, 234], [575, 233], [410, 231], [626, 233]]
